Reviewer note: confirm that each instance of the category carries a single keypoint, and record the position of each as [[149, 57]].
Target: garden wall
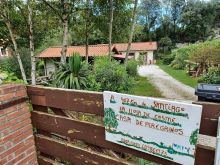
[[16, 135]]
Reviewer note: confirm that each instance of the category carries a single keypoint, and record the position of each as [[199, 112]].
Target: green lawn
[[143, 87], [179, 75]]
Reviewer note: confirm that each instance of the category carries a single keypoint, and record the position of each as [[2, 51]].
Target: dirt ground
[[169, 87]]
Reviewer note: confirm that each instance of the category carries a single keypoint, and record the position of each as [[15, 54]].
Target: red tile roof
[[97, 50], [94, 50], [136, 46]]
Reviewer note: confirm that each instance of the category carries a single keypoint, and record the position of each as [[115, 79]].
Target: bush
[[71, 75], [187, 52], [111, 76], [6, 77], [132, 68], [212, 77], [167, 59], [11, 64]]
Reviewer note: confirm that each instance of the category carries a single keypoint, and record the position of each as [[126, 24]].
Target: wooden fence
[[73, 139]]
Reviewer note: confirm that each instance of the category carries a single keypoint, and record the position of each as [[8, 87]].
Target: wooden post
[[217, 151]]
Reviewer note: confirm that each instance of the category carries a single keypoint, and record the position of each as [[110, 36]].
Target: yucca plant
[[68, 75]]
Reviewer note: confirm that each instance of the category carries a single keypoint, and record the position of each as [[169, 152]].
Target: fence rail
[[57, 132]]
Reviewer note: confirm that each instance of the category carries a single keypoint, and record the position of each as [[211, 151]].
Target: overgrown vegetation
[[10, 64], [111, 76], [69, 75], [132, 68], [206, 53], [212, 77], [6, 77]]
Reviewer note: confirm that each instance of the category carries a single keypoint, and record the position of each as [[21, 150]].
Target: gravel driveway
[[169, 87]]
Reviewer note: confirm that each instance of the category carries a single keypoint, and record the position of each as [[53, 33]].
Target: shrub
[[11, 64], [6, 77], [191, 51], [111, 75], [71, 74], [212, 77], [168, 59], [132, 68]]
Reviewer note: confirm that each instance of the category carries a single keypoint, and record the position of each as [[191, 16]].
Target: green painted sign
[[164, 128]]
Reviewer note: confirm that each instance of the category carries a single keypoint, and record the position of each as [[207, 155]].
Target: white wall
[[49, 66], [150, 57], [136, 55]]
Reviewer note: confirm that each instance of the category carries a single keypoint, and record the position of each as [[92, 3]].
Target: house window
[[131, 54]]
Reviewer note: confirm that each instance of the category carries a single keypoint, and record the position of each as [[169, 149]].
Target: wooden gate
[[69, 128]]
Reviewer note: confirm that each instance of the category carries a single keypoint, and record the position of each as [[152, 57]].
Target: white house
[[145, 48], [52, 54]]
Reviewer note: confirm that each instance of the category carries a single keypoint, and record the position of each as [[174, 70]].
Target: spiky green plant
[[68, 75]]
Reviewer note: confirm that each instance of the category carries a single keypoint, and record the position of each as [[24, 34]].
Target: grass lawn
[[144, 88], [179, 75]]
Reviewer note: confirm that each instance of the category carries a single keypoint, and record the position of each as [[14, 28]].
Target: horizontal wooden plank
[[46, 161], [204, 157], [69, 152], [81, 130], [92, 102], [210, 115], [87, 132], [76, 100]]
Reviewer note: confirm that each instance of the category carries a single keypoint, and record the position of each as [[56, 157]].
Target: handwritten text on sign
[[167, 129]]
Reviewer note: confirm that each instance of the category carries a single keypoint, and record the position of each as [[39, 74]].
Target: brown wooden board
[[89, 102], [46, 161], [87, 132], [95, 134], [76, 155], [79, 101], [210, 115], [204, 157]]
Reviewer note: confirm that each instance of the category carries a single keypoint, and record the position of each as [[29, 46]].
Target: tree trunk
[[8, 24], [86, 31], [65, 32], [131, 32], [33, 60], [110, 29]]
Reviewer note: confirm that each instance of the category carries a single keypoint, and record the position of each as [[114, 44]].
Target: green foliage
[[6, 77], [143, 87], [206, 54], [167, 59], [199, 52], [11, 64], [111, 75], [110, 120], [165, 43], [212, 77], [194, 137], [132, 68], [71, 75]]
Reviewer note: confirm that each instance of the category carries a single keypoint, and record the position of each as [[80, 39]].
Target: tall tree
[[5, 7], [63, 9], [149, 13], [31, 40], [110, 28], [131, 32], [65, 16], [177, 7]]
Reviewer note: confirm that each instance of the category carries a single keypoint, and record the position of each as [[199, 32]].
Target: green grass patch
[[143, 87], [179, 75]]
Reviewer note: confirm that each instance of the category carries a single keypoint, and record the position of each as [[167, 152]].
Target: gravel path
[[169, 87]]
